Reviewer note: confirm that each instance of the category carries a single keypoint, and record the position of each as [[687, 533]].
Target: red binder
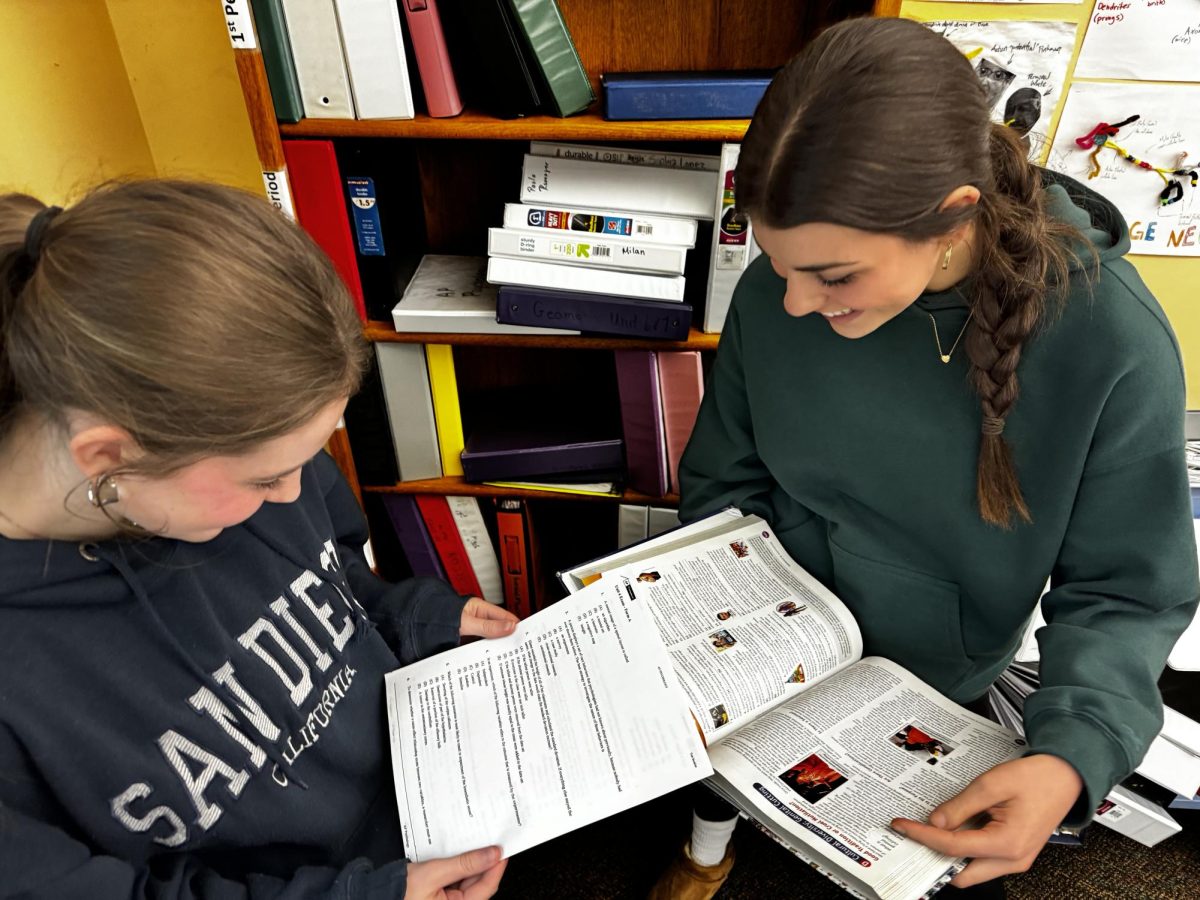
[[443, 530], [514, 560], [317, 191]]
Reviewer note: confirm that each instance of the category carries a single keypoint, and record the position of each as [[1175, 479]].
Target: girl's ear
[[962, 196], [98, 448]]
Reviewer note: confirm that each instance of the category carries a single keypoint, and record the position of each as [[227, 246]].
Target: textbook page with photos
[[709, 635], [818, 746]]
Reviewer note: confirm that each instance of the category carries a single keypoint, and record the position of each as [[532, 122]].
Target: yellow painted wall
[[180, 69], [70, 119], [96, 90], [1173, 280]]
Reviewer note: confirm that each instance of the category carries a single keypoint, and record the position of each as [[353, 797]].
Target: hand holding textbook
[[1025, 800], [599, 703]]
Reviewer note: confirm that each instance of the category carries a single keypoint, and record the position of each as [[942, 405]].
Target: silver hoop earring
[[103, 492]]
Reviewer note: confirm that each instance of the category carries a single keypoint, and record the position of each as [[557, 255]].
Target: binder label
[[564, 219], [240, 25], [366, 216], [733, 230], [279, 193]]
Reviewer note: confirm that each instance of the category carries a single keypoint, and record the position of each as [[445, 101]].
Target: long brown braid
[[872, 126], [1022, 251]]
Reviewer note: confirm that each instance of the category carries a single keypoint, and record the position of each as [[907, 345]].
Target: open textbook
[[599, 702]]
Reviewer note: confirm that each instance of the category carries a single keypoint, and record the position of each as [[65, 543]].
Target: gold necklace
[[945, 357]]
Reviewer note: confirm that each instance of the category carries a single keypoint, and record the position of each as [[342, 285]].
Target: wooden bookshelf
[[584, 128], [382, 332], [457, 487], [466, 168]]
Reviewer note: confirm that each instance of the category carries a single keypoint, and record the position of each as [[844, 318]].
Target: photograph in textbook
[[812, 779], [918, 741]]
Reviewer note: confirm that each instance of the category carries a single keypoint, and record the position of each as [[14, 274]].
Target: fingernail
[[898, 828], [938, 820]]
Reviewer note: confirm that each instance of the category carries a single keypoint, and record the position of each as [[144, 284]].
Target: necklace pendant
[[945, 357]]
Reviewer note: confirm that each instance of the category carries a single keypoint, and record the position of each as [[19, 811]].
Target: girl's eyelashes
[[268, 485], [837, 282]]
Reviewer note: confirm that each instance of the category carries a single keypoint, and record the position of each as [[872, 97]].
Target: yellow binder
[[446, 413]]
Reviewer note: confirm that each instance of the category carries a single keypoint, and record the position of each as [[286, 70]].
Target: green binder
[[272, 33], [554, 52]]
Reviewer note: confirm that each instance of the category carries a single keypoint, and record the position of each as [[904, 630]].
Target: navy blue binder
[[595, 313], [683, 95]]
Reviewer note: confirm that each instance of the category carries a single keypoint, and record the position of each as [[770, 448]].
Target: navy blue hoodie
[[207, 720]]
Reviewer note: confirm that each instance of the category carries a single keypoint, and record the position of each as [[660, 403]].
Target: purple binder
[[597, 313], [510, 452], [642, 420], [414, 536]]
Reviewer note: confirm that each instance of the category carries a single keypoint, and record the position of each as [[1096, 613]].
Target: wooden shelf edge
[[382, 332], [456, 486], [471, 125]]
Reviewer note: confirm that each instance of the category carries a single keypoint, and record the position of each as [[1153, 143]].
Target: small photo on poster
[[1022, 67]]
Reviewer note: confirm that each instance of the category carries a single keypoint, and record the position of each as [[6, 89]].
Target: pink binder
[[681, 382], [433, 59]]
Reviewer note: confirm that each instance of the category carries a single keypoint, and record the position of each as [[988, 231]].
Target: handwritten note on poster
[[1022, 66], [1142, 40], [1168, 126]]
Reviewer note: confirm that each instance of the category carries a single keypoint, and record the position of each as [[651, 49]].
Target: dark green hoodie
[[862, 455]]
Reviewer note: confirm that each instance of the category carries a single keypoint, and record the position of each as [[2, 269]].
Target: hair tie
[[992, 425], [35, 232]]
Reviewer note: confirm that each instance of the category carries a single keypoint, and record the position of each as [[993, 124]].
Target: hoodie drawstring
[[121, 564], [362, 624]]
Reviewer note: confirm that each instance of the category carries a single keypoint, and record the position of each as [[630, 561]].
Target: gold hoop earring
[[103, 491], [946, 257]]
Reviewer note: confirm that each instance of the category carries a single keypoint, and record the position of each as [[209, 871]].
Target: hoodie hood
[[1099, 222], [1103, 234]]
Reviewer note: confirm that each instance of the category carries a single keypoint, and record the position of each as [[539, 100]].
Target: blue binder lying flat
[[683, 95]]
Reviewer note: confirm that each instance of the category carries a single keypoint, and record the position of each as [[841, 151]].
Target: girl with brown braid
[[942, 384]]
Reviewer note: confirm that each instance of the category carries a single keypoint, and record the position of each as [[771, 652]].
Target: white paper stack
[[451, 295]]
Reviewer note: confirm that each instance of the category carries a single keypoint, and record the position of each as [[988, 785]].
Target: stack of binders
[[600, 241]]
